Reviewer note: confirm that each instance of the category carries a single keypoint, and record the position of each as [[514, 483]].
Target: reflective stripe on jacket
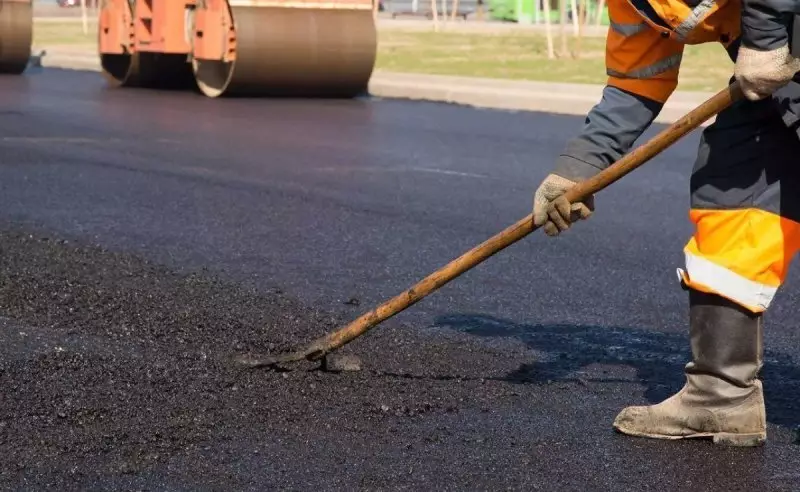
[[645, 40]]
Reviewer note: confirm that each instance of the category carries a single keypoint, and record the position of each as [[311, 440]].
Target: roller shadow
[[658, 358]]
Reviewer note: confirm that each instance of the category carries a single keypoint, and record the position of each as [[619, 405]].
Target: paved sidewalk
[[575, 99], [548, 97]]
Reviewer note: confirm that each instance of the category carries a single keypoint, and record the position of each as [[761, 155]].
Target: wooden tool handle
[[510, 235]]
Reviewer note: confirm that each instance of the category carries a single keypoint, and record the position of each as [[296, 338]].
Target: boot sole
[[718, 438]]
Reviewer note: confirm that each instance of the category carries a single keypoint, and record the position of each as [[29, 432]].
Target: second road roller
[[300, 48], [16, 35]]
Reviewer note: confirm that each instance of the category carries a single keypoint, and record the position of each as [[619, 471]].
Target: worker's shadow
[[658, 358]]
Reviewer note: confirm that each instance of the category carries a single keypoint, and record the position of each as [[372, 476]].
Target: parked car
[[77, 3]]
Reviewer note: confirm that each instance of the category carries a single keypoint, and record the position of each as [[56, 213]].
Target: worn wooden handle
[[318, 348]]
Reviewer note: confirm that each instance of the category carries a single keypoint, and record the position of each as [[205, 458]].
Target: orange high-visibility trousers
[[745, 206]]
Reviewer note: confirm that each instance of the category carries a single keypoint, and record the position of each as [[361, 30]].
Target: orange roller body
[[240, 47], [16, 35]]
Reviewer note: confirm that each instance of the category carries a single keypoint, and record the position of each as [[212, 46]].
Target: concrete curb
[[71, 61], [570, 99]]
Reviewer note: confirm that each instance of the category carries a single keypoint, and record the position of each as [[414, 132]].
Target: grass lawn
[[64, 33], [507, 55], [524, 56]]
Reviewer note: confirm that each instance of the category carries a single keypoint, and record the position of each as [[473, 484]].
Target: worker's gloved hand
[[551, 210], [760, 73]]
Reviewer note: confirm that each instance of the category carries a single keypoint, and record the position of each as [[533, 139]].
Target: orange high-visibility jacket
[[644, 48], [646, 40]]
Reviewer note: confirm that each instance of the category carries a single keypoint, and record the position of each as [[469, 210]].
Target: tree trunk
[[84, 17], [580, 11], [563, 23], [548, 32], [575, 17], [600, 6]]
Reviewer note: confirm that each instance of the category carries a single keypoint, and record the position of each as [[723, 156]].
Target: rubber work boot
[[722, 398]]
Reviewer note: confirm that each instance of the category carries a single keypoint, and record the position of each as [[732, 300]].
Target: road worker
[[744, 201]]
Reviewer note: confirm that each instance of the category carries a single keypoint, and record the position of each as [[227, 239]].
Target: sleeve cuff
[[575, 169]]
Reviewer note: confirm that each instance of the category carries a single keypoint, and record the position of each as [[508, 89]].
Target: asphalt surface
[[147, 237]]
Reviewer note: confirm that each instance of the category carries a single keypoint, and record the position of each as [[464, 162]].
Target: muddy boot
[[722, 398]]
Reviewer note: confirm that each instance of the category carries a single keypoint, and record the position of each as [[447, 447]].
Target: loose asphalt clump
[[116, 372]]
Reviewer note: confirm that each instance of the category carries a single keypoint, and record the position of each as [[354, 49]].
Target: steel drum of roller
[[16, 35], [148, 70], [301, 49]]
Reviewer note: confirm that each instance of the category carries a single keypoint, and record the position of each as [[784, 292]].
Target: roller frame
[[129, 59], [240, 47]]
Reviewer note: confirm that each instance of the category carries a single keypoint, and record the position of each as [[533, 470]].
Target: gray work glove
[[760, 73], [551, 210]]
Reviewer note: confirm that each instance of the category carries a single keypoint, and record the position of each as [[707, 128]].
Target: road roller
[[296, 48], [16, 35]]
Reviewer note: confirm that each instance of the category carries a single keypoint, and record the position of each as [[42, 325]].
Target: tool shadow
[[658, 358]]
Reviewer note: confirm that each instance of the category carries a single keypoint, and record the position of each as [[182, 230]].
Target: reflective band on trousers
[[728, 284], [659, 67], [628, 29], [694, 18]]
